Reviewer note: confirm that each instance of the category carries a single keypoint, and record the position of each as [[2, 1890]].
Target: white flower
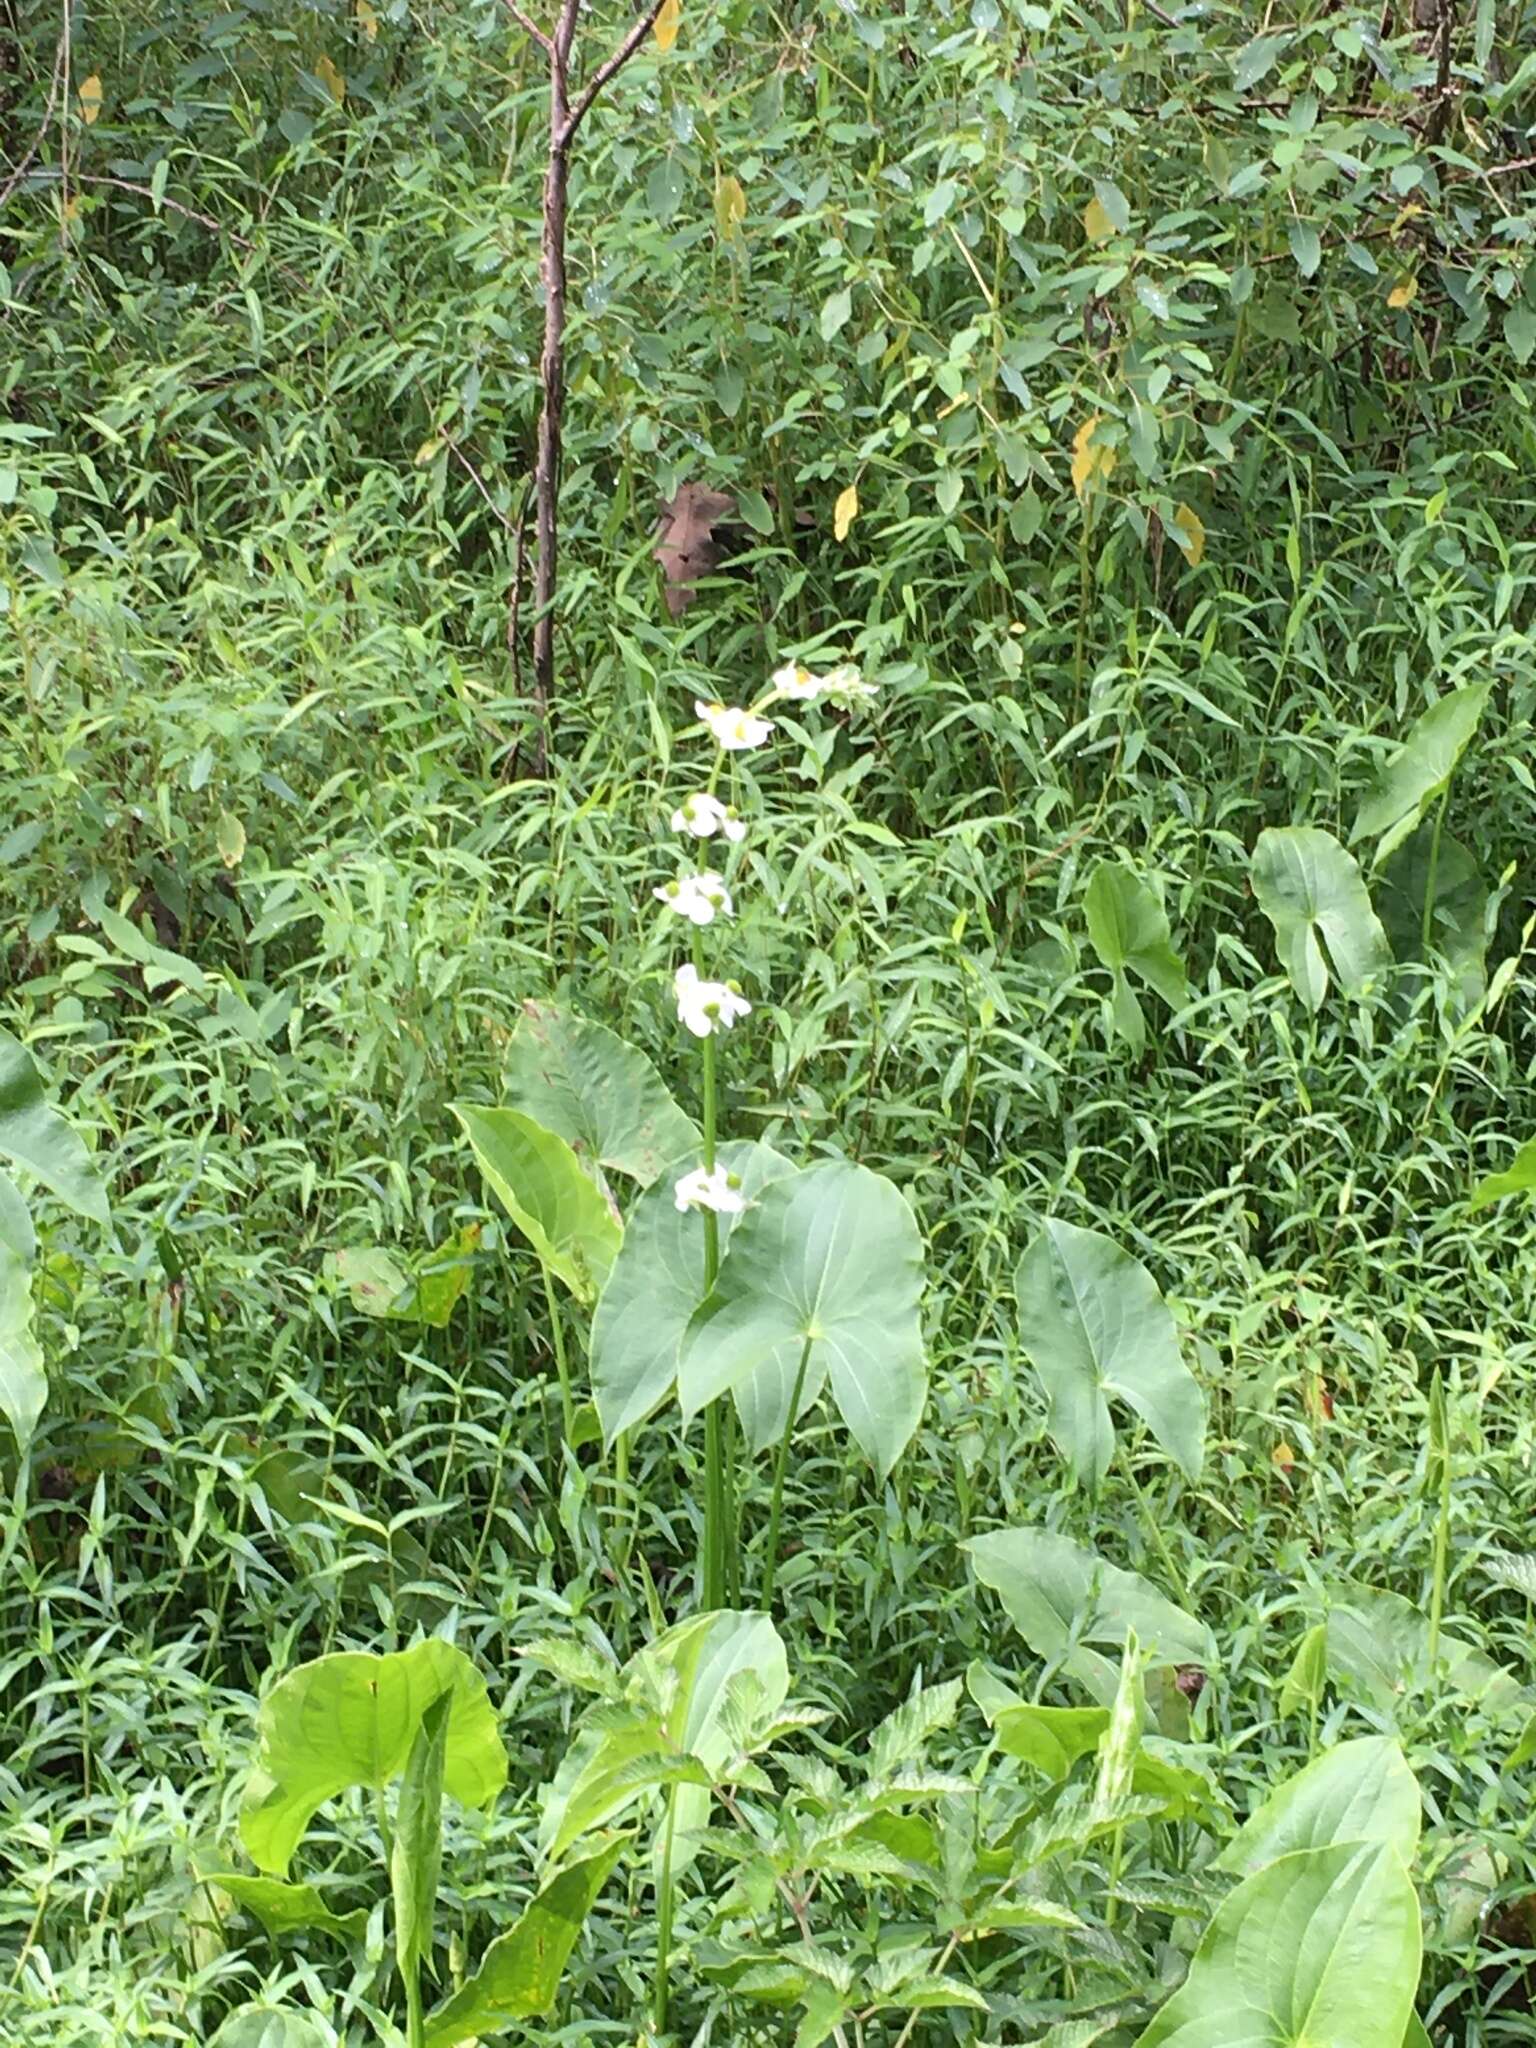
[[733, 728], [703, 815], [701, 1189], [845, 685], [794, 681], [699, 898], [842, 685], [706, 1006]]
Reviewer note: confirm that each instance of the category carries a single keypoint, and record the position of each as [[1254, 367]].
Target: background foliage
[[1178, 360]]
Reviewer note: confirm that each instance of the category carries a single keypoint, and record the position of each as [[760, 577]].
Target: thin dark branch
[[641, 28], [32, 148], [545, 43]]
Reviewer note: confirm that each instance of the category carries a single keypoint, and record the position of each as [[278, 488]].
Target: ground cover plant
[[793, 1303]]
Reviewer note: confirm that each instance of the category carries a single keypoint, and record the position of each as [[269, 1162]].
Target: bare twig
[[564, 120], [528, 27], [33, 146]]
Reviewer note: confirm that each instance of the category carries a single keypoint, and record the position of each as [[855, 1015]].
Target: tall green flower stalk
[[707, 1007]]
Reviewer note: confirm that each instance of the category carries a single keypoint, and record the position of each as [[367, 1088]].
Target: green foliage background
[[274, 879]]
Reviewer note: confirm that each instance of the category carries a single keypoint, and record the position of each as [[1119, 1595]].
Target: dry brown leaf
[[331, 78], [687, 546], [1190, 524], [90, 99], [845, 511], [668, 22]]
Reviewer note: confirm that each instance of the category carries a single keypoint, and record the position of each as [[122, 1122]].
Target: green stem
[[1159, 1542], [1442, 1550], [415, 2019], [715, 1504], [1432, 872], [664, 1920], [781, 1466], [562, 1363]]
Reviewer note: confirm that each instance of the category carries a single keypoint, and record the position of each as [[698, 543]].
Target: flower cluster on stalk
[[706, 1007]]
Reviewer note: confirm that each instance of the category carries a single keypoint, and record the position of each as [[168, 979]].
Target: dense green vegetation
[[1141, 987]]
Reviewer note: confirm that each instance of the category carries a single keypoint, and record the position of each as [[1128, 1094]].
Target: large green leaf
[[539, 1181], [579, 1079], [832, 1258], [678, 1690], [34, 1136], [272, 2026], [1518, 1178], [1320, 1949], [1360, 1791], [351, 1719], [284, 1908], [1128, 929], [1380, 1642], [1420, 768], [1313, 893], [1094, 1325], [23, 1377], [520, 1972], [1058, 1594], [656, 1284], [1458, 895]]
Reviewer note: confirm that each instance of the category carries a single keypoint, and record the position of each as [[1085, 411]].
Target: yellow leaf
[[730, 205], [331, 79], [1189, 523], [1283, 1458], [1097, 225], [231, 839], [367, 20], [844, 512], [72, 206], [1090, 460], [90, 99], [668, 22], [1403, 293], [427, 452]]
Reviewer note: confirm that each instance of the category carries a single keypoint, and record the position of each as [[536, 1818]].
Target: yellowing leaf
[[1090, 460], [231, 838], [730, 205], [1190, 524], [1403, 293], [367, 20], [668, 23], [72, 206], [1097, 225], [331, 79], [845, 511], [90, 99], [426, 452]]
